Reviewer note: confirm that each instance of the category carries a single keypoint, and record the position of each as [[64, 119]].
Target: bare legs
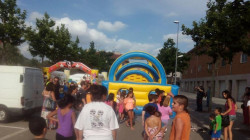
[[228, 131], [130, 120]]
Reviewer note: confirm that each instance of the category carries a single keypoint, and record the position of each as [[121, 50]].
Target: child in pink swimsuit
[[129, 106], [121, 107]]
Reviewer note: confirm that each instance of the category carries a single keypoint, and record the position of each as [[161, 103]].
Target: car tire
[[4, 114]]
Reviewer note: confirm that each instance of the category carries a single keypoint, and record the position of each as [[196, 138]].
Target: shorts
[[164, 122], [216, 135], [232, 117], [129, 110], [61, 137]]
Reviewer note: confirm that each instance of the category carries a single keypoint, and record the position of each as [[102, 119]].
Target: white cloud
[[34, 15], [108, 26], [76, 27], [181, 38], [102, 42], [24, 49], [185, 42]]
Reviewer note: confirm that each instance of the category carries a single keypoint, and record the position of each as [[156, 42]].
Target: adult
[[81, 93], [56, 87], [248, 107], [230, 108], [244, 106], [49, 104], [73, 90], [199, 97], [97, 120]]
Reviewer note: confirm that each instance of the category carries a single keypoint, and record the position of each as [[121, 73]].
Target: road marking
[[13, 134], [12, 127]]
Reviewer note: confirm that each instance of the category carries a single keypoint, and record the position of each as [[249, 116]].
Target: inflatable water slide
[[141, 71]]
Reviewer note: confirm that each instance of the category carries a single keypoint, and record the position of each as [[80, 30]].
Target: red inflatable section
[[68, 64]]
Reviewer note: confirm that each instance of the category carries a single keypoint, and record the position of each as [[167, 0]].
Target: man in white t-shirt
[[97, 120]]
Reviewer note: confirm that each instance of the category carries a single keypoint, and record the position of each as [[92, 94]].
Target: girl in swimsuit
[[153, 124], [129, 105]]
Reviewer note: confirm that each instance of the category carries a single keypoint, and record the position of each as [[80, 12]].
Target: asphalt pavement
[[201, 119], [17, 129]]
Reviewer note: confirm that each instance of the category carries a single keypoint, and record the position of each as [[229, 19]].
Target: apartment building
[[234, 77]]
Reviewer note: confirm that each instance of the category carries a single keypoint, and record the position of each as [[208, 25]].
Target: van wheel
[[4, 114]]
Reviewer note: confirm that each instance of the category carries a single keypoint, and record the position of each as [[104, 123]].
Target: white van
[[20, 90]]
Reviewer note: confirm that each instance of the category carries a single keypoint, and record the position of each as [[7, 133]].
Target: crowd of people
[[90, 113]]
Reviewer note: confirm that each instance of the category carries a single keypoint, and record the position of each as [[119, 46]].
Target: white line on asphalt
[[13, 134], [12, 127]]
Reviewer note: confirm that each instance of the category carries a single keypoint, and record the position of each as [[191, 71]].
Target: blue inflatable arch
[[140, 65], [142, 73], [150, 58]]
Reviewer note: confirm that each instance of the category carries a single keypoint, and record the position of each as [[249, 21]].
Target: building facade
[[219, 76]]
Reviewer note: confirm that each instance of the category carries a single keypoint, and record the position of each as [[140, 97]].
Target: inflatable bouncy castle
[[141, 71]]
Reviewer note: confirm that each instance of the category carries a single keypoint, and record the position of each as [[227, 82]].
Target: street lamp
[[176, 22]]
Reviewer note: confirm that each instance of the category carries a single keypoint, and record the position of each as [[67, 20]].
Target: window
[[191, 71], [243, 58], [223, 62], [199, 68], [209, 66]]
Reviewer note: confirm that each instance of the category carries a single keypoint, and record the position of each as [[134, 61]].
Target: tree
[[60, 50], [12, 28], [105, 60], [100, 60], [92, 58], [224, 31], [41, 39], [167, 58]]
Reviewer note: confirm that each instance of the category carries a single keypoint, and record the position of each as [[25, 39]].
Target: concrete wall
[[234, 83]]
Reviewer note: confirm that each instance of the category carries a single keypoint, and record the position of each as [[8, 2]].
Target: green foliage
[[61, 49], [167, 57], [224, 31], [41, 39], [100, 60], [12, 28]]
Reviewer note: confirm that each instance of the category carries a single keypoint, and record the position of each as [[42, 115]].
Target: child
[[118, 97], [152, 102], [110, 101], [217, 125], [165, 111], [66, 119], [212, 123], [153, 124], [181, 125], [121, 107], [129, 104], [38, 127], [160, 93]]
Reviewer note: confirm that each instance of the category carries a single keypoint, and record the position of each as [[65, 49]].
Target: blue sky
[[119, 25]]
